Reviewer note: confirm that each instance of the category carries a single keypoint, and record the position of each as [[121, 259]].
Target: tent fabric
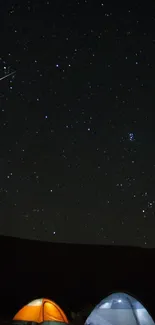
[[39, 311], [119, 309], [19, 322]]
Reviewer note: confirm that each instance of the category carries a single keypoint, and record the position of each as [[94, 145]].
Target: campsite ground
[[72, 275]]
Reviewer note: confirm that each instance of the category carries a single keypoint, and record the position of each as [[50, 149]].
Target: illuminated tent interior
[[39, 311], [119, 309]]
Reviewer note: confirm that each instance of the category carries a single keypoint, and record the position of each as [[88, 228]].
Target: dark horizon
[[74, 276], [73, 244]]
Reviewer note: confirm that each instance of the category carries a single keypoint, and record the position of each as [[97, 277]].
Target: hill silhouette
[[72, 275]]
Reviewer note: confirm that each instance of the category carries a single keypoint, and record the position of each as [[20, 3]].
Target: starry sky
[[77, 158]]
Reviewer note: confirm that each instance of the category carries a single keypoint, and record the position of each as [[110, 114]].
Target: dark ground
[[72, 275]]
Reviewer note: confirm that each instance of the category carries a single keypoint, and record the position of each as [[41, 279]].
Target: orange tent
[[39, 311]]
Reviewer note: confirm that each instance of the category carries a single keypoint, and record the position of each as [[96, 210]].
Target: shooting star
[[8, 75]]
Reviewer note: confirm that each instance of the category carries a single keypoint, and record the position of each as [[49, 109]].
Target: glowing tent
[[42, 311], [119, 309]]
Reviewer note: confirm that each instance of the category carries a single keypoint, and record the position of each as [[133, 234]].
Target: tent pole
[[137, 321]]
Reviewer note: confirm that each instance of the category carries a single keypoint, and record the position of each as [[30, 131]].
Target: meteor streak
[[8, 75]]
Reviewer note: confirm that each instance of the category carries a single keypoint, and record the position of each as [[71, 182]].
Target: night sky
[[77, 132]]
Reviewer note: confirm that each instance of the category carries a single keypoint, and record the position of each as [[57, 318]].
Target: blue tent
[[119, 309]]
